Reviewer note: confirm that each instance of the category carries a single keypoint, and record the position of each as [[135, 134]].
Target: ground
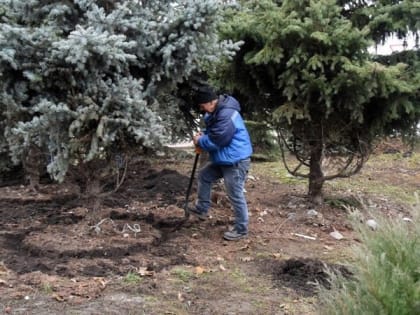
[[135, 253]]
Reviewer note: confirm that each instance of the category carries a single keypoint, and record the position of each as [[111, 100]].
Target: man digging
[[227, 141]]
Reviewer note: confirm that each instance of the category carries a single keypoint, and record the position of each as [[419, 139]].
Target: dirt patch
[[304, 275], [136, 253]]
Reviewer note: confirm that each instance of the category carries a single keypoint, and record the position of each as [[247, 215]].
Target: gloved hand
[[198, 150], [196, 138]]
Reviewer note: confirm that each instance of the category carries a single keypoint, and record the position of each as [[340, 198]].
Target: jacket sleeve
[[206, 144]]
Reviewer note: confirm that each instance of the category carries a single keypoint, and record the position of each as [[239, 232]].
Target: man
[[227, 141]]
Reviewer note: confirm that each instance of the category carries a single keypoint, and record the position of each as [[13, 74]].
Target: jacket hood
[[226, 101]]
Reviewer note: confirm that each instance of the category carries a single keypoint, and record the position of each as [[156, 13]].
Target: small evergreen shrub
[[386, 271]]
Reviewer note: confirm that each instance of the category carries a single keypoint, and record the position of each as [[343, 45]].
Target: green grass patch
[[239, 276], [370, 187], [132, 278], [183, 274], [47, 288], [381, 176], [276, 171]]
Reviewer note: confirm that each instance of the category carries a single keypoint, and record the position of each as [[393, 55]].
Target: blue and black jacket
[[226, 137]]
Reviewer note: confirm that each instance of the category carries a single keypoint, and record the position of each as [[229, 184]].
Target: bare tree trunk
[[316, 176], [32, 167], [93, 192]]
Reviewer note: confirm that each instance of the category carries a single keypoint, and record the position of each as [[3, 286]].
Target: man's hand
[[196, 138]]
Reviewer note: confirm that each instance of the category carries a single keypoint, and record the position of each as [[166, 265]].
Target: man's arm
[[223, 130]]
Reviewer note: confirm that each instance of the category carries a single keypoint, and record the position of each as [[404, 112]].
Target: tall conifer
[[305, 64]]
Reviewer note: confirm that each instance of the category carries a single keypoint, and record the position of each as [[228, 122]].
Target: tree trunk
[[93, 193], [316, 176], [32, 166]]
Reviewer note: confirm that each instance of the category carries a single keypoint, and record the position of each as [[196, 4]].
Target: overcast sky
[[392, 45]]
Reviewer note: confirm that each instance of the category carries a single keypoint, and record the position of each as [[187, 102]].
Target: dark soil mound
[[304, 275]]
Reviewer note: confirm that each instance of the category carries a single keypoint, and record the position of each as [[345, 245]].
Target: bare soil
[[135, 254]]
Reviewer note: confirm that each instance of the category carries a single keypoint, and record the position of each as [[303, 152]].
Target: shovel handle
[[197, 155]]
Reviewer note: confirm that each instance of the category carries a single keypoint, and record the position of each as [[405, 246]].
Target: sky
[[393, 44]]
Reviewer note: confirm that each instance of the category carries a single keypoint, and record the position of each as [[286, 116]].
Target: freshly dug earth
[[135, 253]]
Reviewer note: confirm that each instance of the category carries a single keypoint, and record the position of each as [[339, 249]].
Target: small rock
[[312, 213], [337, 235], [251, 177], [372, 224], [125, 261]]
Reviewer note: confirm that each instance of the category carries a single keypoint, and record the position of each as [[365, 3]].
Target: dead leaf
[[102, 282], [59, 298], [244, 247], [142, 271], [199, 270], [180, 297], [3, 269]]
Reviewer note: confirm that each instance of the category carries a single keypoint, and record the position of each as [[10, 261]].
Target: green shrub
[[386, 270]]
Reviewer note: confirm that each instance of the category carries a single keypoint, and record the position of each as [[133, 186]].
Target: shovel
[[187, 197]]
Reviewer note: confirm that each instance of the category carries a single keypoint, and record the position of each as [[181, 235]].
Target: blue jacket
[[226, 137]]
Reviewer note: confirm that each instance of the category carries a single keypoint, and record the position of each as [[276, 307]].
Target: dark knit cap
[[204, 94]]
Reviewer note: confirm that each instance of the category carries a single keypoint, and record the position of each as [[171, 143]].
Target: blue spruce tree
[[83, 79]]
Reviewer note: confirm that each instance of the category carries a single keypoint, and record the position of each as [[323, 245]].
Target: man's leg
[[235, 177], [208, 174]]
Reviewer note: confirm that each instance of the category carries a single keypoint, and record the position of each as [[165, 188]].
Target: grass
[[183, 274], [276, 171], [378, 188], [369, 181], [132, 278], [47, 288]]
